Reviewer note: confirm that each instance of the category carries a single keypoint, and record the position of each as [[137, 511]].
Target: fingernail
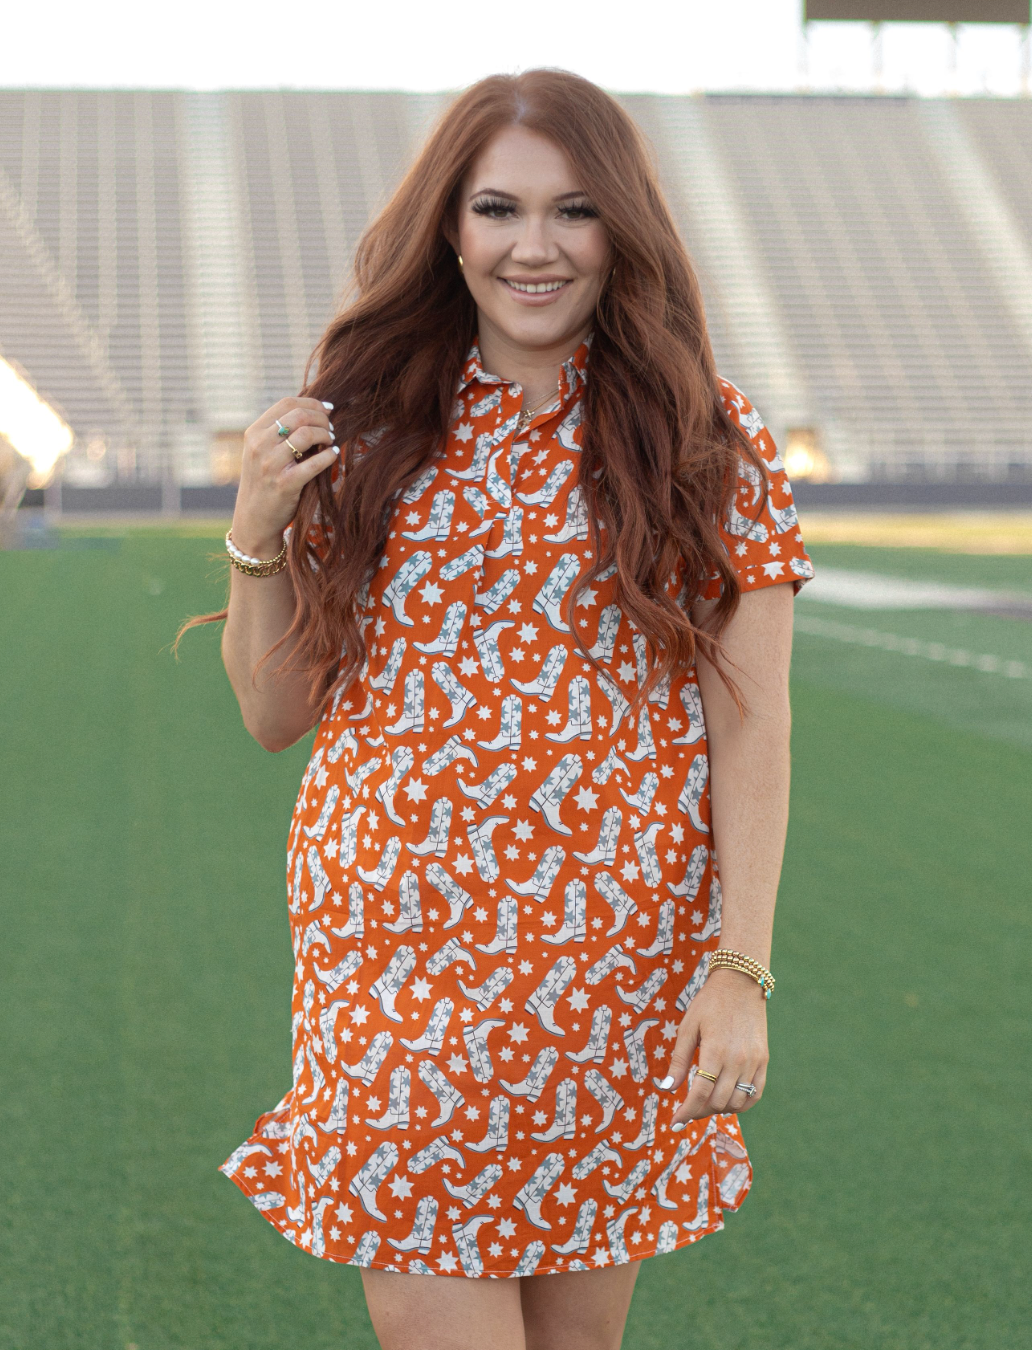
[[331, 426], [336, 449], [679, 1125], [328, 406], [667, 1083]]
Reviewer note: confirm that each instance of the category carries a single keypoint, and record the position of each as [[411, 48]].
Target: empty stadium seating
[[169, 260]]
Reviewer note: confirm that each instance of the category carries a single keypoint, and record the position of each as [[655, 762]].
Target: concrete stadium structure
[[168, 261]]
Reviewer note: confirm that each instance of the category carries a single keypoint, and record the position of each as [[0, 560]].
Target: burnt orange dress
[[502, 889]]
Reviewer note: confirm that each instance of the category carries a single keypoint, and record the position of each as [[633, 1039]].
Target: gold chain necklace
[[527, 416]]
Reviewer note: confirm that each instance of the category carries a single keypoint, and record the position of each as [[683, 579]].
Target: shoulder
[[743, 414]]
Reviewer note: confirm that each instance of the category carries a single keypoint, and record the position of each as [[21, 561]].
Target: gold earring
[[459, 256]]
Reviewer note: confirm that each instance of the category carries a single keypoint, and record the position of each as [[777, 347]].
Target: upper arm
[[764, 545], [758, 646]]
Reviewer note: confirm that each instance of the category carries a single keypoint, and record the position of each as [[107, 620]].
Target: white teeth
[[536, 289]]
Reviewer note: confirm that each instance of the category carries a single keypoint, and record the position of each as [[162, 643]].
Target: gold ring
[[701, 1073], [298, 454]]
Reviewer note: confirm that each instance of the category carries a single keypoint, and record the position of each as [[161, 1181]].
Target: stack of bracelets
[[255, 567], [732, 960]]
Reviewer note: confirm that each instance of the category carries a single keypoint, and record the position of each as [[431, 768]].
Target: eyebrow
[[497, 192]]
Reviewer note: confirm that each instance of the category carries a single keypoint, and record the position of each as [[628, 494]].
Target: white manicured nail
[[331, 426], [327, 406], [679, 1125], [335, 449], [667, 1083]]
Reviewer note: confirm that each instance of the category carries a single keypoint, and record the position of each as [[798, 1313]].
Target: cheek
[[481, 247], [591, 253]]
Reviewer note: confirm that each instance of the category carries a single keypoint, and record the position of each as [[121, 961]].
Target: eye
[[494, 208], [578, 211]]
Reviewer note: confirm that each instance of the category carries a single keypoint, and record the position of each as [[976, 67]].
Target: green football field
[[145, 978]]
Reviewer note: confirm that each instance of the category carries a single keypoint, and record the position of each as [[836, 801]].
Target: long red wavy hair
[[659, 457]]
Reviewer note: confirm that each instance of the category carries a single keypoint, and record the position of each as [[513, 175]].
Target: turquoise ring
[[283, 431]]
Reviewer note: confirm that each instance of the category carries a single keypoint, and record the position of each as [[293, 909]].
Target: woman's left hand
[[727, 1022]]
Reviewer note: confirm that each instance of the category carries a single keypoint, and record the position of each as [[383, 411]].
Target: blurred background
[[181, 194]]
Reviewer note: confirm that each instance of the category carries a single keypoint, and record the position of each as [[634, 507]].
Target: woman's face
[[535, 255]]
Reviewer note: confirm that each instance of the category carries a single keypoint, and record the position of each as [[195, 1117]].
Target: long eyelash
[[483, 205], [582, 209]]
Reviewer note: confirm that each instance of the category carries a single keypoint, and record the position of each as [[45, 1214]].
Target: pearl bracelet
[[729, 959], [255, 567]]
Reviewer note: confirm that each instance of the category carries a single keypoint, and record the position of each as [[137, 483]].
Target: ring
[[283, 431], [298, 454], [748, 1088], [701, 1073]]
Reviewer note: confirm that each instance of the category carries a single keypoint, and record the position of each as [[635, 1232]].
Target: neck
[[536, 369]]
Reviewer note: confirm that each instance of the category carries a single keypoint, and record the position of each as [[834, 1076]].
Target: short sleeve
[[762, 538]]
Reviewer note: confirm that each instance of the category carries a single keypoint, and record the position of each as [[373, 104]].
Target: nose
[[534, 247]]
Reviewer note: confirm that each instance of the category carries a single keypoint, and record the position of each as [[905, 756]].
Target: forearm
[[749, 787], [275, 703]]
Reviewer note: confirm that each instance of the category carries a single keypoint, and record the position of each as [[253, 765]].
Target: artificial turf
[[145, 975]]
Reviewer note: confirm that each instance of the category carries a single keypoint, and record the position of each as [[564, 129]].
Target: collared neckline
[[573, 372]]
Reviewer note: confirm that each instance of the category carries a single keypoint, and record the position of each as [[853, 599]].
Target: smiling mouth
[[535, 287]]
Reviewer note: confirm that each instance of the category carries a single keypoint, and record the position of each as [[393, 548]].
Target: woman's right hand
[[271, 478]]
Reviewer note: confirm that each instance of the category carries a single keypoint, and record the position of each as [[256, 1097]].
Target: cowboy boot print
[[432, 1039], [692, 792], [544, 875], [534, 1084], [606, 1095], [511, 728], [634, 1043], [396, 1117], [608, 836], [436, 841], [438, 527], [355, 926], [457, 694], [548, 798], [421, 1238], [392, 980], [712, 924], [410, 914], [484, 856], [575, 911], [475, 1040], [496, 983], [548, 993], [578, 721], [447, 640], [544, 683], [371, 1176], [645, 846], [598, 1038], [497, 1136], [449, 1098]]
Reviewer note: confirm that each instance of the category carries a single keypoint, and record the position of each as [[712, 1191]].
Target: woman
[[535, 596]]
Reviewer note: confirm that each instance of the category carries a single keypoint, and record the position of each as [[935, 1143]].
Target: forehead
[[523, 163]]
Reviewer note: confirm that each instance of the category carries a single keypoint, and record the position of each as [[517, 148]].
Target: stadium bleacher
[[168, 261]]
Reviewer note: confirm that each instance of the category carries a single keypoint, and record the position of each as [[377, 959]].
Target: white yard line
[[872, 590], [909, 646]]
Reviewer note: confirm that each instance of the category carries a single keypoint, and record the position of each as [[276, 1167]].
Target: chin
[[544, 332]]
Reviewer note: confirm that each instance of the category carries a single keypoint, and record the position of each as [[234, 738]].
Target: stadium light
[[31, 426], [803, 457]]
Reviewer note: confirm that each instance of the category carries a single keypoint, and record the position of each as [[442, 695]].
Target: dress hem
[[394, 1269]]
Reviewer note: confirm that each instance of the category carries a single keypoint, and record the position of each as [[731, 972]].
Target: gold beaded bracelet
[[731, 960], [255, 567]]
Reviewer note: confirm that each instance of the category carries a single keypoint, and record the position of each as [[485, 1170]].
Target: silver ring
[[748, 1088], [283, 431]]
